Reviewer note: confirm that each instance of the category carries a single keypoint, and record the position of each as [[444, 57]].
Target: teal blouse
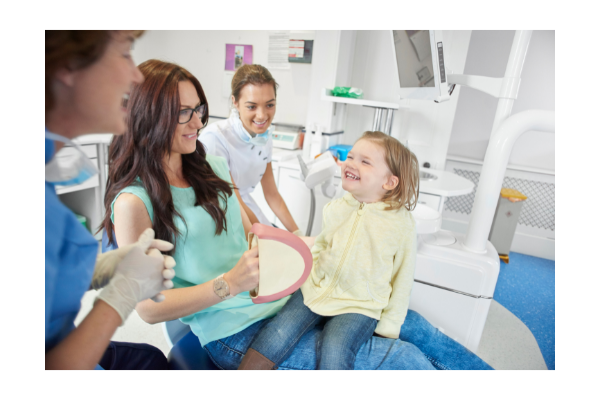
[[202, 256]]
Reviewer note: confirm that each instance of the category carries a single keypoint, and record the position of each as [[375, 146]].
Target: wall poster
[[237, 55]]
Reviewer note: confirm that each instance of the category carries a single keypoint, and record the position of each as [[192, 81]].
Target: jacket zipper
[[339, 267]]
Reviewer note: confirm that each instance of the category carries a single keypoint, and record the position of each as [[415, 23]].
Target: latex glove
[[298, 232], [107, 262], [138, 276]]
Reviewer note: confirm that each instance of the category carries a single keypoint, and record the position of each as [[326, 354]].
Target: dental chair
[[186, 351]]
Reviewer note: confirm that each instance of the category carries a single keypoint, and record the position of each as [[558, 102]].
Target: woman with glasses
[[161, 177], [88, 75], [244, 140]]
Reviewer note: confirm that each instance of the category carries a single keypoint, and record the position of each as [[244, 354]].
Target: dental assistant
[[245, 141], [87, 75]]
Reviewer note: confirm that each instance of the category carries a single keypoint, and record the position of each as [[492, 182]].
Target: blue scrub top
[[70, 258]]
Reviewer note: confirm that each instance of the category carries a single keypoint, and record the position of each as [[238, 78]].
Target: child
[[363, 262]]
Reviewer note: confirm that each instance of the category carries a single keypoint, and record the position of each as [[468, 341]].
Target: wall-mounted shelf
[[326, 96], [379, 122]]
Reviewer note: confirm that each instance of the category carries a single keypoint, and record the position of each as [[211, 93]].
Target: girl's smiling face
[[365, 173]]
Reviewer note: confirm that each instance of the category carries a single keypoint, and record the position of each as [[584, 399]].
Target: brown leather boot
[[254, 360]]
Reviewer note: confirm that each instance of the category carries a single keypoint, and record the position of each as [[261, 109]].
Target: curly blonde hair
[[403, 164]]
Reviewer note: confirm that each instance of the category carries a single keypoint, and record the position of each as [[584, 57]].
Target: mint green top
[[202, 256]]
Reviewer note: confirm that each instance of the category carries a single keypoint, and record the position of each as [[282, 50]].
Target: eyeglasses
[[185, 116]]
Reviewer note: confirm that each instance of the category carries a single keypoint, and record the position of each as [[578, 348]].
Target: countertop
[[447, 183]]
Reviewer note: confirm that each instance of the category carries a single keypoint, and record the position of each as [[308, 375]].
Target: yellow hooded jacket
[[364, 263]]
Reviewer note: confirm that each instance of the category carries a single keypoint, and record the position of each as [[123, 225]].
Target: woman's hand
[[244, 276]]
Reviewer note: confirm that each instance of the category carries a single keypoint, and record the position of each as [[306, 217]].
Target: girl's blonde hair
[[403, 164]]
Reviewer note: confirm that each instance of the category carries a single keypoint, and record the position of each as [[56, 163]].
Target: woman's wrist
[[109, 314], [233, 290]]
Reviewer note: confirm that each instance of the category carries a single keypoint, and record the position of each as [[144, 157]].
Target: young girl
[[363, 262]]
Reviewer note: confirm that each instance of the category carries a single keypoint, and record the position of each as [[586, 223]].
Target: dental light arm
[[318, 171]]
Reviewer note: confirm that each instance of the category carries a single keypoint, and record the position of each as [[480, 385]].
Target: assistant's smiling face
[[256, 105]]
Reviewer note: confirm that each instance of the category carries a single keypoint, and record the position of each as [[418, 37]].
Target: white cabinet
[[261, 202], [461, 316], [87, 199]]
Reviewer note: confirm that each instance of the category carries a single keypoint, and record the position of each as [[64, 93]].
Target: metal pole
[[493, 169], [383, 120], [389, 121], [514, 66], [376, 119], [480, 222], [311, 216]]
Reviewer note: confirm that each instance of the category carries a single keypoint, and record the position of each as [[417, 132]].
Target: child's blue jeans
[[343, 335]]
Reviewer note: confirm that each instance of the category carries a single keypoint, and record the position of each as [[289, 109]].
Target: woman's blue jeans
[[421, 346], [342, 335]]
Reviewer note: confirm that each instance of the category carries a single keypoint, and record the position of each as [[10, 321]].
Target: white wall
[[425, 126], [488, 55], [332, 58], [203, 54]]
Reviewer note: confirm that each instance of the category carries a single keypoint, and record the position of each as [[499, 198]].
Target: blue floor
[[526, 288]]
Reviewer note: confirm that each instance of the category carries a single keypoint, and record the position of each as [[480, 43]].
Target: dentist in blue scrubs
[[88, 74]]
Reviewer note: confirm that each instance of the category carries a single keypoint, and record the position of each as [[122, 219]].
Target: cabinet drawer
[[430, 200]]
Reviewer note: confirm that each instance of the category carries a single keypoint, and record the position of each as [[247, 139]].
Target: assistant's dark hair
[[152, 117]]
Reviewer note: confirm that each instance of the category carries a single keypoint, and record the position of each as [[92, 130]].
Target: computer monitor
[[420, 65]]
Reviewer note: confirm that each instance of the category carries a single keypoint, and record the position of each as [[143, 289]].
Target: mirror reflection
[[413, 57]]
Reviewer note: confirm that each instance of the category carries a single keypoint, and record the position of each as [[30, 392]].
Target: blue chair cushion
[[189, 354]]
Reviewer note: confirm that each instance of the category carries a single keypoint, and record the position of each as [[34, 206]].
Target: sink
[[426, 176]]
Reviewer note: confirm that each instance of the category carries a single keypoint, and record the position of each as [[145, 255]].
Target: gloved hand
[[139, 275], [298, 232], [107, 262]]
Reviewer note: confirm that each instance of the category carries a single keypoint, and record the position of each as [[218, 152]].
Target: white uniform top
[[247, 162]]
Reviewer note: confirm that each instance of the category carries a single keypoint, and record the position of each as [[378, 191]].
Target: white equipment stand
[[456, 274]]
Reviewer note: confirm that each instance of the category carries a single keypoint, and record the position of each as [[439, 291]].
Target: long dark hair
[[152, 117]]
